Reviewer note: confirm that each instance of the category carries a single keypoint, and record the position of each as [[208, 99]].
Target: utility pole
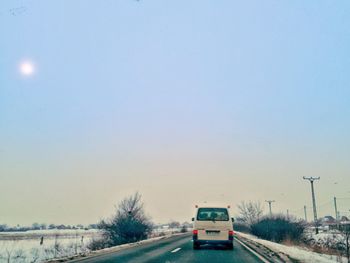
[[305, 213], [336, 209], [312, 179], [270, 202]]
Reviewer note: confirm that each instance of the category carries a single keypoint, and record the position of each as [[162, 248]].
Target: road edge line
[[175, 250]]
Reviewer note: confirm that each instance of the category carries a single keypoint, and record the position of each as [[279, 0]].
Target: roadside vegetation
[[129, 224], [290, 231], [249, 213], [276, 228]]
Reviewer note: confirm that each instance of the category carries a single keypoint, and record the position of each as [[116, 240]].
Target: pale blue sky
[[229, 100]]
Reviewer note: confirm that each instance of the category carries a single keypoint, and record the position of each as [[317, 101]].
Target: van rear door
[[213, 223]]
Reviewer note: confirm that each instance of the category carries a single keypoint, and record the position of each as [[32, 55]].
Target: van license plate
[[212, 233]]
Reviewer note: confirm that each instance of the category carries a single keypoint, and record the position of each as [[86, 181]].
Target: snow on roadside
[[26, 247], [294, 252], [329, 239], [42, 245]]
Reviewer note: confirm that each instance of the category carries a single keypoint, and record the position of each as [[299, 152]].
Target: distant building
[[344, 219], [328, 220], [343, 224]]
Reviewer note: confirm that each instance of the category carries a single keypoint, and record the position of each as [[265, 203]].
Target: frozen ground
[[326, 239], [295, 252], [25, 247]]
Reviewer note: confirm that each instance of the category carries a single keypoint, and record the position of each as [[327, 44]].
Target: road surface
[[175, 249]]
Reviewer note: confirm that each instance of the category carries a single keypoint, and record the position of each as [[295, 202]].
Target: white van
[[212, 225]]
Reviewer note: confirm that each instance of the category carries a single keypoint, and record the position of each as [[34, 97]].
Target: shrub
[[184, 229], [97, 244], [129, 224], [278, 229], [241, 227]]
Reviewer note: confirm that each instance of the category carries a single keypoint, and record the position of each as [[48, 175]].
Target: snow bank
[[330, 239], [46, 245], [294, 252]]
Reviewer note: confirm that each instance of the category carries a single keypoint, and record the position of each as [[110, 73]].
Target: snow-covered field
[[26, 247], [298, 253], [41, 245]]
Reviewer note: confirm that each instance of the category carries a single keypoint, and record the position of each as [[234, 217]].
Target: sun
[[27, 68]]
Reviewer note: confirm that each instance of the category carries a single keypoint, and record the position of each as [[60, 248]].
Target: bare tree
[[8, 255], [35, 255], [250, 212], [174, 224], [19, 256], [3, 227], [9, 251], [129, 224]]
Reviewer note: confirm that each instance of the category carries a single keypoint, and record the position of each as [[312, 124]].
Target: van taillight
[[195, 232], [230, 233]]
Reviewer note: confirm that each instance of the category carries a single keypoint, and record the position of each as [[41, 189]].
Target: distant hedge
[[241, 227], [278, 229]]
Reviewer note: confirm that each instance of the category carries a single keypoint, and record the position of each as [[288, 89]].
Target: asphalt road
[[175, 249]]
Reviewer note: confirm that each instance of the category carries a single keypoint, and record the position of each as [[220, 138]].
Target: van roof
[[212, 205]]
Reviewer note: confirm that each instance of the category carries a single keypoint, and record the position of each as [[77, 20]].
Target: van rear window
[[212, 214]]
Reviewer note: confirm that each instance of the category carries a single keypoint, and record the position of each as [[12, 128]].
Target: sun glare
[[27, 68]]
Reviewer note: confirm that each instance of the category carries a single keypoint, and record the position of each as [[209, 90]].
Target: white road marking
[[175, 250]]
